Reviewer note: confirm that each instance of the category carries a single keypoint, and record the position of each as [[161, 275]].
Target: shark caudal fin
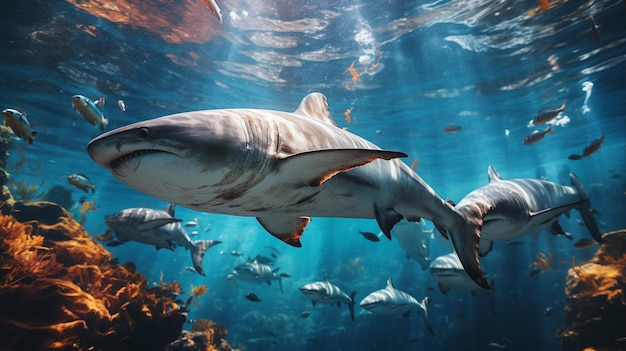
[[197, 253], [585, 209], [465, 234], [425, 303], [351, 304]]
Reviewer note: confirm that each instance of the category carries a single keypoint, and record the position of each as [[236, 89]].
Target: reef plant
[[595, 315], [59, 290]]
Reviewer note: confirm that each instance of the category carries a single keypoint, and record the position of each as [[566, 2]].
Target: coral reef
[[59, 290], [596, 301], [205, 335]]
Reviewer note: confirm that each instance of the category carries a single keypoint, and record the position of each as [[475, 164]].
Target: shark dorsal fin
[[170, 209], [389, 284], [315, 106], [493, 174]]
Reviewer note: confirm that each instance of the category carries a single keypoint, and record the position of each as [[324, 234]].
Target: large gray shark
[[390, 300], [255, 272], [414, 239], [449, 273], [506, 209], [158, 228], [279, 167], [328, 293]]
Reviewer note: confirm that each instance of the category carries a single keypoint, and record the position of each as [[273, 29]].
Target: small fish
[[353, 72], [451, 129], [252, 297], [81, 182], [284, 275], [584, 243], [121, 105], [108, 235], [593, 147], [90, 110], [547, 114], [18, 123], [549, 311], [595, 30], [236, 253], [191, 224], [305, 314], [537, 135], [575, 157], [370, 236], [212, 5], [347, 115], [415, 163]]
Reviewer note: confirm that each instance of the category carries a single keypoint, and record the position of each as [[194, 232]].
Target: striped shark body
[[328, 293]]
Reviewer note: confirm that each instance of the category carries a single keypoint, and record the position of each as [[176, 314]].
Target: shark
[[328, 293], [253, 271], [389, 301], [414, 239], [281, 167], [507, 209], [450, 275], [158, 228]]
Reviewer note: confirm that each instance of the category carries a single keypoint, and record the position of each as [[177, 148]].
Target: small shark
[[414, 239], [390, 300], [158, 228], [279, 167], [450, 275], [253, 271], [507, 209], [326, 292]]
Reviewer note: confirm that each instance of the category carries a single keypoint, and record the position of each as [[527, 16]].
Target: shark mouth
[[124, 158]]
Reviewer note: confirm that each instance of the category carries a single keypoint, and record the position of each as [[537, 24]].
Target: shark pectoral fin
[[315, 167], [197, 253], [386, 218], [156, 223], [286, 228], [484, 247], [585, 209], [465, 238]]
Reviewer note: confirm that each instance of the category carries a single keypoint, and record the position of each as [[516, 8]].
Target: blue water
[[483, 65]]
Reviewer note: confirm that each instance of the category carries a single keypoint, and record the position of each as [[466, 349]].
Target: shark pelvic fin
[[313, 168], [386, 218], [315, 106], [286, 228]]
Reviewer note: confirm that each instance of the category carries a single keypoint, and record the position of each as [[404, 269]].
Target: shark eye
[[143, 132]]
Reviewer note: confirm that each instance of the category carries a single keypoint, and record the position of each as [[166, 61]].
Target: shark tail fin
[[351, 304], [585, 209], [425, 303], [465, 233], [198, 250]]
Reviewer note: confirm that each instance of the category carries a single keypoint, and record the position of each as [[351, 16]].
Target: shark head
[[315, 291], [164, 156]]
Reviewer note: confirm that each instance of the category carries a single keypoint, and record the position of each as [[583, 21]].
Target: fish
[[595, 30], [305, 314], [121, 105], [353, 72], [495, 346], [507, 209], [370, 236], [190, 224], [346, 114], [593, 147], [215, 10], [449, 273], [389, 301], [87, 207], [253, 271], [236, 253], [584, 243], [547, 114], [549, 310], [414, 239], [279, 167], [81, 182], [252, 297], [158, 228], [575, 157], [451, 129], [328, 293], [537, 135], [90, 110], [20, 126]]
